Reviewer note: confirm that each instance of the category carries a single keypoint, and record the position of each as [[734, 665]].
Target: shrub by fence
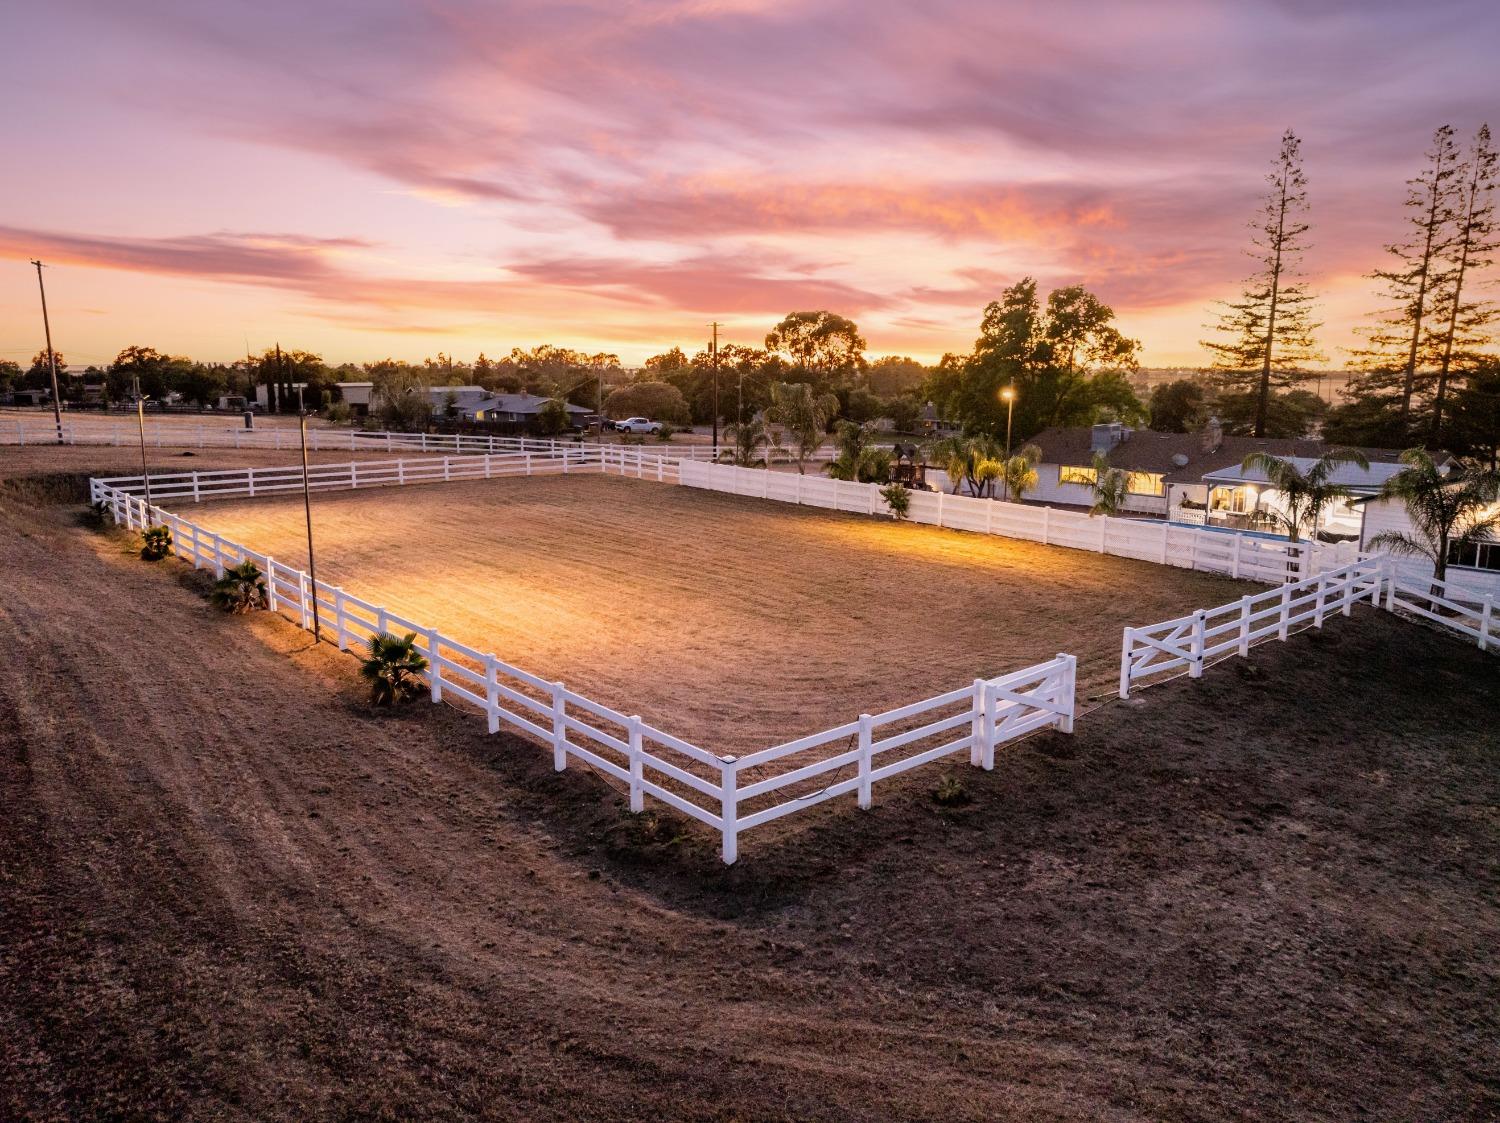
[[728, 794], [1235, 555]]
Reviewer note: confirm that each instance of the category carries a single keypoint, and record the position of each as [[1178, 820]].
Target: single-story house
[[357, 396], [462, 398], [521, 409], [1197, 478]]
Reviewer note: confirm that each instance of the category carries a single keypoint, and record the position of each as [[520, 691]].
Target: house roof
[[519, 403], [1360, 481], [1144, 450]]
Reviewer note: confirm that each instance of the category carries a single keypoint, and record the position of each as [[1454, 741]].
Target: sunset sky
[[374, 177]]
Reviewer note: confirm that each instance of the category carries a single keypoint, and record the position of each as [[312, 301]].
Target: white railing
[[233, 482], [1235, 555], [1447, 603], [719, 791], [1205, 636]]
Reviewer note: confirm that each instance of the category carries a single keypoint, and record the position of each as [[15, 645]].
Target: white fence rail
[[233, 482], [1446, 603], [723, 792], [1211, 634], [1235, 555]]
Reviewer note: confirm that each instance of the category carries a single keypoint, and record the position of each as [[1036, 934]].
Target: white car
[[638, 425]]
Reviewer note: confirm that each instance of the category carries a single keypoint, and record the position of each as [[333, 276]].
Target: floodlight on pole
[[1008, 396]]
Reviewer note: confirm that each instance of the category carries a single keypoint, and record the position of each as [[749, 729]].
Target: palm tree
[[986, 470], [392, 669], [954, 455], [1111, 485], [1305, 494], [804, 416], [1449, 510], [746, 439], [240, 590], [1020, 472]]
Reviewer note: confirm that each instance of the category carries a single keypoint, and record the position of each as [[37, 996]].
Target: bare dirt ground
[[228, 892], [85, 460], [733, 623]]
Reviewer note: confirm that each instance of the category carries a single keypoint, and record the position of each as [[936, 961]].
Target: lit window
[[1475, 555], [1086, 476], [1146, 483]]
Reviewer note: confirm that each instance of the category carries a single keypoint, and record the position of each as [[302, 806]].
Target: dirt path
[[226, 892]]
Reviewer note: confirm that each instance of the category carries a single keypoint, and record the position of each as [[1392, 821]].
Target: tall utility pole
[[312, 568], [713, 352], [51, 354], [140, 421]]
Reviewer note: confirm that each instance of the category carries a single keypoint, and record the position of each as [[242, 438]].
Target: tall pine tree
[[1464, 318], [1404, 348], [1266, 337]]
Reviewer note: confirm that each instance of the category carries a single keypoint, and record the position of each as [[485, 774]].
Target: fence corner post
[[637, 790], [976, 725], [1068, 688], [270, 580], [1126, 643], [1200, 619], [729, 812], [434, 668], [991, 722], [559, 728], [866, 738]]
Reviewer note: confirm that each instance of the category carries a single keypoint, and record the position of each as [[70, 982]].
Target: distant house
[[357, 396], [463, 399], [520, 409]]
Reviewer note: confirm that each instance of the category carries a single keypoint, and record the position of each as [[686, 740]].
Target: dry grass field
[[734, 623], [228, 891]]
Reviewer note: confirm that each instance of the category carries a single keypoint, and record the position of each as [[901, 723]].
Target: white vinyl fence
[[1211, 634], [1235, 555], [1444, 602], [233, 482], [729, 794]]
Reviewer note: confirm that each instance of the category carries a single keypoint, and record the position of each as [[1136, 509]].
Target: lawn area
[[734, 623]]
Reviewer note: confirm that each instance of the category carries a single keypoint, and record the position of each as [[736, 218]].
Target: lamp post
[[1008, 396]]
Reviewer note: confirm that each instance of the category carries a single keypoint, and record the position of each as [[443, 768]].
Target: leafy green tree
[[905, 413], [1305, 495], [553, 418], [749, 442], [1177, 407], [1445, 510], [1266, 336], [803, 415], [895, 374], [1402, 346], [1290, 413], [1065, 363], [38, 376], [822, 343], [10, 375], [1475, 427], [660, 401], [393, 669], [898, 498]]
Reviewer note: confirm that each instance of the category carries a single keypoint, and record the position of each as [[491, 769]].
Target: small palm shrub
[[240, 590], [392, 669], [156, 543], [898, 499], [950, 792]]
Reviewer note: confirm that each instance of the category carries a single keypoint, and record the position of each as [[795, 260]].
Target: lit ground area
[[733, 623], [227, 892]]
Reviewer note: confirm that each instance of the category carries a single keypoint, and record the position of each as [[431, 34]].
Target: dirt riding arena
[[733, 623]]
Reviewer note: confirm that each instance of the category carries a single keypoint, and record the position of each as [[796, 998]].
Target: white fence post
[[303, 603], [1284, 622], [338, 617], [492, 692], [991, 719], [559, 730], [1245, 626], [1126, 643], [434, 668], [637, 792], [1486, 615], [1234, 563], [1195, 669], [1067, 687], [270, 581], [976, 725], [1320, 601], [866, 738], [729, 812]]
